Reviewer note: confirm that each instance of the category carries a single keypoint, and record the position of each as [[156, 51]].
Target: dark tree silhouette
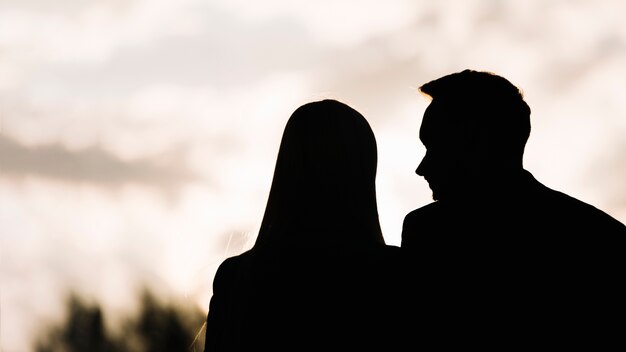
[[158, 327], [83, 330], [164, 327]]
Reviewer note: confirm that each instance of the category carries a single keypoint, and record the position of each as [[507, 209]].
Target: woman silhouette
[[319, 275]]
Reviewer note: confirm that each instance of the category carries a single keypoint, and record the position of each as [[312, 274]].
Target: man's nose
[[421, 167]]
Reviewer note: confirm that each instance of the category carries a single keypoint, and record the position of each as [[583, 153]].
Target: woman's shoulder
[[229, 269], [232, 262]]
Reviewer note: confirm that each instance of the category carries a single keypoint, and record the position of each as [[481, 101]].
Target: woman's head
[[324, 180]]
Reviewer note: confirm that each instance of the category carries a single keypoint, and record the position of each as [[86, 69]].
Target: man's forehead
[[439, 122], [442, 107], [437, 115]]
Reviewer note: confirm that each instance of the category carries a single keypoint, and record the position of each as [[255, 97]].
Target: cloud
[[91, 165], [609, 173], [334, 23], [76, 33], [228, 54]]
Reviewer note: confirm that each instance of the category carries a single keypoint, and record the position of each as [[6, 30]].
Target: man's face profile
[[445, 162]]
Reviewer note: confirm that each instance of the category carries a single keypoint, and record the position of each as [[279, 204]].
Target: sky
[[138, 137]]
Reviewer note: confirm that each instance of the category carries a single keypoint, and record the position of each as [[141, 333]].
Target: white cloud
[[333, 22], [93, 33]]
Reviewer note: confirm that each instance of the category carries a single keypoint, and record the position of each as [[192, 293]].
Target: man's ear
[[477, 139], [480, 148]]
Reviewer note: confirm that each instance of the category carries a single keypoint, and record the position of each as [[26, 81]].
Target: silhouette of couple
[[498, 259]]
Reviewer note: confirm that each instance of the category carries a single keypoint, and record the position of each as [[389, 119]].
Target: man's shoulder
[[421, 221], [580, 213], [427, 211]]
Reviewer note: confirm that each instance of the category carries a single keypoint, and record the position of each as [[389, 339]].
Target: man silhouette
[[497, 249]]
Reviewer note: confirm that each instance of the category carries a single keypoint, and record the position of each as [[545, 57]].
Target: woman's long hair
[[323, 188]]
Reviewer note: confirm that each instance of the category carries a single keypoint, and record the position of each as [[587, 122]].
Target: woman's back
[[307, 298]]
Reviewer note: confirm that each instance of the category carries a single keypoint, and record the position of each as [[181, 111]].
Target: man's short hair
[[486, 100]]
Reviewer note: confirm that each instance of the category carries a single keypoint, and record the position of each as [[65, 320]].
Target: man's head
[[475, 128]]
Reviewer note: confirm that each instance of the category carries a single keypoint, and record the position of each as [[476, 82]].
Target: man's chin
[[438, 195]]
